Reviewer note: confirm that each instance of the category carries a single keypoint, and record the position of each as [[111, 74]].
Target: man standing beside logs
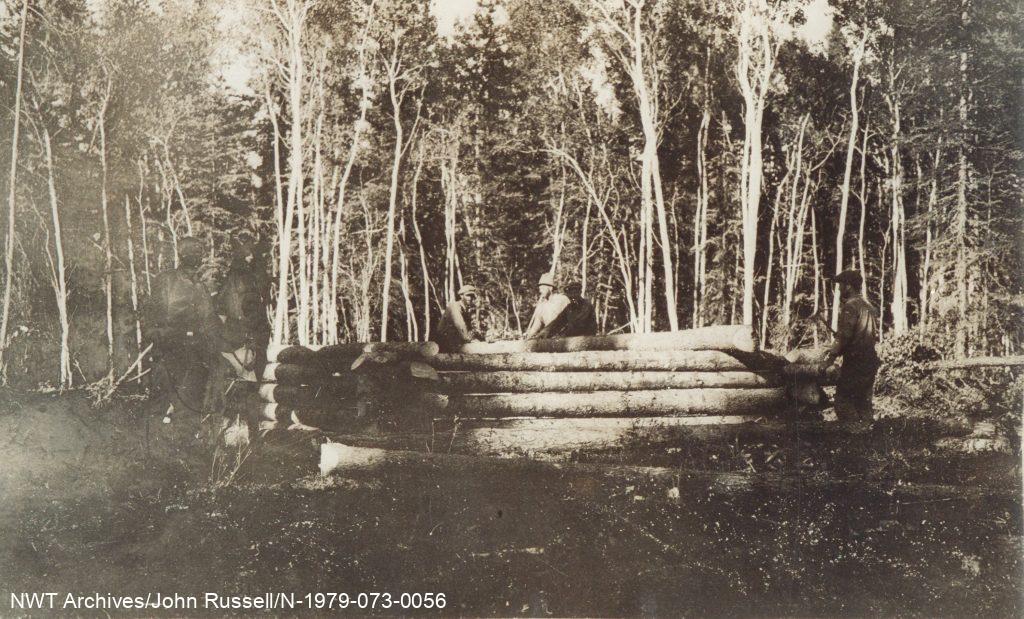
[[186, 333], [855, 343]]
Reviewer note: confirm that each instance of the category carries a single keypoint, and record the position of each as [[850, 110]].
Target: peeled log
[[327, 395], [336, 353], [531, 382], [977, 362], [722, 337], [596, 360], [667, 402], [554, 437]]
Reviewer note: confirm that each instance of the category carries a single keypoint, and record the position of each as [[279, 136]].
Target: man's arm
[[536, 324], [459, 322], [847, 325]]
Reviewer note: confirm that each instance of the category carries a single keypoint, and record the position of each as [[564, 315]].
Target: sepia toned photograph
[[511, 308]]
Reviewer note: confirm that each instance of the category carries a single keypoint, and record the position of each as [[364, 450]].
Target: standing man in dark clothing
[[242, 302], [460, 323], [180, 320], [855, 343], [578, 317]]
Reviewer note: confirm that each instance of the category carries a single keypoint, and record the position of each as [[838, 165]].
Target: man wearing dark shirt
[[459, 325], [577, 318], [855, 343], [180, 320]]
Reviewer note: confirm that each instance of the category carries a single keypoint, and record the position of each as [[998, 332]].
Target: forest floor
[[809, 521]]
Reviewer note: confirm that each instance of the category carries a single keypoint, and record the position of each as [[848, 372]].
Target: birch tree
[[12, 179]]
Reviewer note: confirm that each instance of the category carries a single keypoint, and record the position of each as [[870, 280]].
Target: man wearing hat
[[577, 318], [459, 325], [549, 305], [181, 323], [855, 343], [242, 301]]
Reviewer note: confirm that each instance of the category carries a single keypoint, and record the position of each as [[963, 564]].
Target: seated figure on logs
[[461, 321], [577, 318], [549, 305]]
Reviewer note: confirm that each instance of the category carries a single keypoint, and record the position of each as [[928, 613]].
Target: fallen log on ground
[[340, 460], [665, 402], [597, 360], [977, 362], [575, 382], [722, 337], [324, 395], [554, 438]]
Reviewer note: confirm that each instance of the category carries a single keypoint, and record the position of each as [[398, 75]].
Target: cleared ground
[[808, 521]]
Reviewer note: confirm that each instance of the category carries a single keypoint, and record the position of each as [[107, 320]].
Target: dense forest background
[[691, 162]]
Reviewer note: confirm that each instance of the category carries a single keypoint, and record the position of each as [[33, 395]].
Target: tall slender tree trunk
[[11, 193], [963, 178], [396, 162], [108, 262], [61, 289], [844, 200], [133, 280], [754, 76], [899, 261], [700, 224], [926, 262], [863, 211]]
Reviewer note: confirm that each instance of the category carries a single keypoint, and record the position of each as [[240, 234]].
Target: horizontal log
[[977, 362], [722, 337], [315, 353], [597, 360], [348, 461], [405, 350], [667, 402], [311, 396], [531, 382], [551, 438], [294, 374]]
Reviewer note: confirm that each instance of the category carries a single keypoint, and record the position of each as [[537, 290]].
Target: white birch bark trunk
[[11, 192], [60, 286]]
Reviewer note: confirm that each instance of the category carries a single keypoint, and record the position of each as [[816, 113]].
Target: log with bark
[[531, 382], [294, 374], [320, 396], [722, 337], [598, 360], [666, 402], [338, 353]]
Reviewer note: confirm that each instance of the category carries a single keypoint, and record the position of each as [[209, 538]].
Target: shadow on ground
[[800, 522]]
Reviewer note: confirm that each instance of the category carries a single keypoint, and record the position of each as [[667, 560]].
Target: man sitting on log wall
[[549, 305], [460, 323], [576, 318]]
